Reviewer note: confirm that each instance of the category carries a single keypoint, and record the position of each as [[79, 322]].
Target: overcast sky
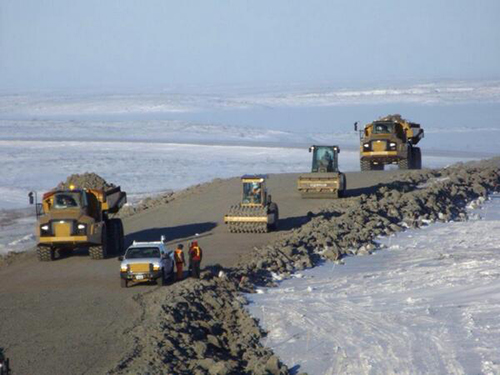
[[156, 43]]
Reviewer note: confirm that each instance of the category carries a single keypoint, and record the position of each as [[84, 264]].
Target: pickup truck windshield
[[143, 252]]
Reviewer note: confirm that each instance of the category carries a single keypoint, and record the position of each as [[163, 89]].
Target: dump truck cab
[[390, 140], [73, 218], [69, 217], [325, 179], [256, 213], [147, 261]]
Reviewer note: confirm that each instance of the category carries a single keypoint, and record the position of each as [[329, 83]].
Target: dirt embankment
[[202, 326]]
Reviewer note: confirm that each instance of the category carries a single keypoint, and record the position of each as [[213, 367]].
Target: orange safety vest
[[178, 256], [196, 253]]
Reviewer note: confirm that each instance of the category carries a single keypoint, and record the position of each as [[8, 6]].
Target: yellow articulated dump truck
[[256, 213], [325, 179], [75, 218], [390, 140]]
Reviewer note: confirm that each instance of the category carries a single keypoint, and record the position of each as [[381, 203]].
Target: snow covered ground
[[428, 303], [154, 142]]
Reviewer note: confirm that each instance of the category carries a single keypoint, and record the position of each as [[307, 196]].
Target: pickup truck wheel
[[124, 283], [161, 281]]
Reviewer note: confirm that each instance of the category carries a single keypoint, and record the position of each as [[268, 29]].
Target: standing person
[[195, 256], [179, 261]]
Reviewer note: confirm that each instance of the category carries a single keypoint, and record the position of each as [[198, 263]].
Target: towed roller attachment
[[319, 185]]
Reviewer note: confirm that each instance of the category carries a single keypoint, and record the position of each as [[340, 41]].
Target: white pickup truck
[[146, 261]]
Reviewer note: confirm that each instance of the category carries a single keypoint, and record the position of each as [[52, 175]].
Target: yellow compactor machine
[[256, 213], [390, 140], [73, 218], [325, 179]]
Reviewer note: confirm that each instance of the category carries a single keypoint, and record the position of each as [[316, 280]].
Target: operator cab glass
[[324, 159], [383, 128], [143, 252], [252, 192], [66, 200]]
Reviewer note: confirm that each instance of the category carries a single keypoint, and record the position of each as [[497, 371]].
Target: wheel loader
[[73, 218], [325, 179], [390, 140], [256, 213]]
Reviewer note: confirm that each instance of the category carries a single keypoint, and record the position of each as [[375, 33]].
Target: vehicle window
[[66, 200], [252, 192], [383, 128], [143, 252]]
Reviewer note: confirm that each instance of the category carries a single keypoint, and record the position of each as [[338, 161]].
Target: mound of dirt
[[86, 180], [202, 326]]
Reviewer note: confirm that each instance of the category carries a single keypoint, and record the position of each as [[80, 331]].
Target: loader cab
[[325, 158], [254, 191]]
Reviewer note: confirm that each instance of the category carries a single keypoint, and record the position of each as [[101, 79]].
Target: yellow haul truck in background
[[76, 218], [390, 140]]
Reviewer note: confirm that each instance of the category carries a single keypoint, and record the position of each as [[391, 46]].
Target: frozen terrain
[[428, 303], [149, 143]]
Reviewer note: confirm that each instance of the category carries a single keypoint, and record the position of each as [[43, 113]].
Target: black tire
[[100, 251], [417, 158], [45, 253], [366, 165], [406, 163], [342, 192], [273, 207], [161, 281], [124, 283], [115, 236]]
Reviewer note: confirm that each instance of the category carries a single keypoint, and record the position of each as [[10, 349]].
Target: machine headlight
[[156, 267], [124, 267], [81, 228], [44, 227], [392, 144], [366, 145]]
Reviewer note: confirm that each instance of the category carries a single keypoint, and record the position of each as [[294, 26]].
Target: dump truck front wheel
[[44, 253], [366, 165]]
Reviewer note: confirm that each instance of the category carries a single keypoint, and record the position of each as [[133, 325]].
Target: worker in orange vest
[[195, 256], [179, 261]]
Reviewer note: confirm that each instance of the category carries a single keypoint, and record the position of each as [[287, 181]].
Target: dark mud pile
[[85, 181], [202, 326]]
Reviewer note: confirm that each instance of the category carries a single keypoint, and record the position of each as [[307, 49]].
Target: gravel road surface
[[71, 316]]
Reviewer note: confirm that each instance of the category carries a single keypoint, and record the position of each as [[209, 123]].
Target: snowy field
[[150, 143], [427, 303]]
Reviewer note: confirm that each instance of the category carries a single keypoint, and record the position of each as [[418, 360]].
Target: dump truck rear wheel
[[115, 236], [44, 253], [366, 165], [417, 158], [124, 283]]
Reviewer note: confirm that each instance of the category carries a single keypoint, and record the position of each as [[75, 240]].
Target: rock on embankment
[[202, 327]]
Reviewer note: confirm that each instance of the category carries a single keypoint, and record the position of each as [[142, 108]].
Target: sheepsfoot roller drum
[[256, 213], [325, 179]]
